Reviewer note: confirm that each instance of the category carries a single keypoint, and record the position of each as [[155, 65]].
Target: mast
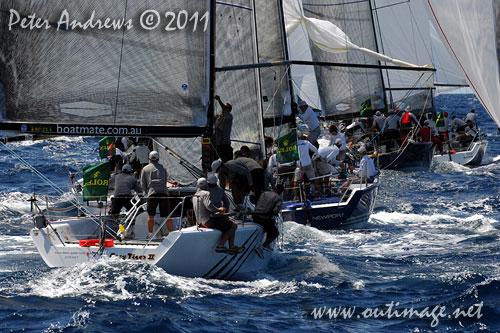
[[288, 67], [207, 154], [258, 80], [377, 49], [383, 51]]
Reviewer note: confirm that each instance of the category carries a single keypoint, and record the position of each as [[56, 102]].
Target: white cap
[[362, 150], [302, 103], [216, 165], [202, 182], [127, 168], [154, 156], [212, 178], [338, 142], [378, 113]]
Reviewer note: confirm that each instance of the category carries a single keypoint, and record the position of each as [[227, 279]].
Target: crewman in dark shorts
[[211, 215], [154, 184], [268, 205]]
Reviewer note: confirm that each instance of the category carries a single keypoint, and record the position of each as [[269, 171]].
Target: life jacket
[[406, 119]]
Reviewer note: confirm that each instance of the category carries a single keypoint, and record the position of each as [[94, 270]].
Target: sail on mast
[[75, 81], [342, 32], [235, 44]]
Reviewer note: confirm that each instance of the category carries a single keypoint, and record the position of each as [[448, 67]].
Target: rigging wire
[[56, 188]]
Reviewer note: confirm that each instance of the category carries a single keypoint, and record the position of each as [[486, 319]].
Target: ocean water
[[431, 246]]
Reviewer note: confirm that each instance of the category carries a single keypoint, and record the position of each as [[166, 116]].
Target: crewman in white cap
[[154, 184]]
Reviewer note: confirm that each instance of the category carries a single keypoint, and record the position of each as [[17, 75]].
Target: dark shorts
[[221, 223], [158, 199], [225, 152], [239, 184], [117, 203], [268, 223], [258, 177]]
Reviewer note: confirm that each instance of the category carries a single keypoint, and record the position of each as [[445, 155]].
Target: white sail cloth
[[467, 28], [327, 36]]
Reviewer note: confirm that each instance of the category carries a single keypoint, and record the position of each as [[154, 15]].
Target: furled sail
[[64, 79], [467, 28]]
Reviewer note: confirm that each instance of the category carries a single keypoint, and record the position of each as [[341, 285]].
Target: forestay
[[128, 80], [467, 28]]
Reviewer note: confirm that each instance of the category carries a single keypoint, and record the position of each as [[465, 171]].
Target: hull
[[327, 214], [473, 156], [188, 252], [417, 156]]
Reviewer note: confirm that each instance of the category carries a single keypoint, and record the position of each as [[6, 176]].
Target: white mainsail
[[467, 28], [328, 36]]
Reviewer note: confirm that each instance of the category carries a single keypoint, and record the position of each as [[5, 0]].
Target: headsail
[[467, 28], [65, 81]]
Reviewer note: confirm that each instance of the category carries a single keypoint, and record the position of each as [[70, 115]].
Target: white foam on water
[[491, 159], [485, 169], [15, 201], [476, 223], [10, 245], [113, 279], [322, 266], [359, 285]]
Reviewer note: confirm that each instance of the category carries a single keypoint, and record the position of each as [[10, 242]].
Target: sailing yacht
[[156, 83], [468, 31], [459, 38]]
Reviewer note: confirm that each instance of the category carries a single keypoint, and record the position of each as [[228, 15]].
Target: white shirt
[[272, 164], [471, 131], [340, 136], [379, 121], [329, 153], [366, 167], [304, 148], [309, 117], [471, 116], [432, 126], [457, 122]]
